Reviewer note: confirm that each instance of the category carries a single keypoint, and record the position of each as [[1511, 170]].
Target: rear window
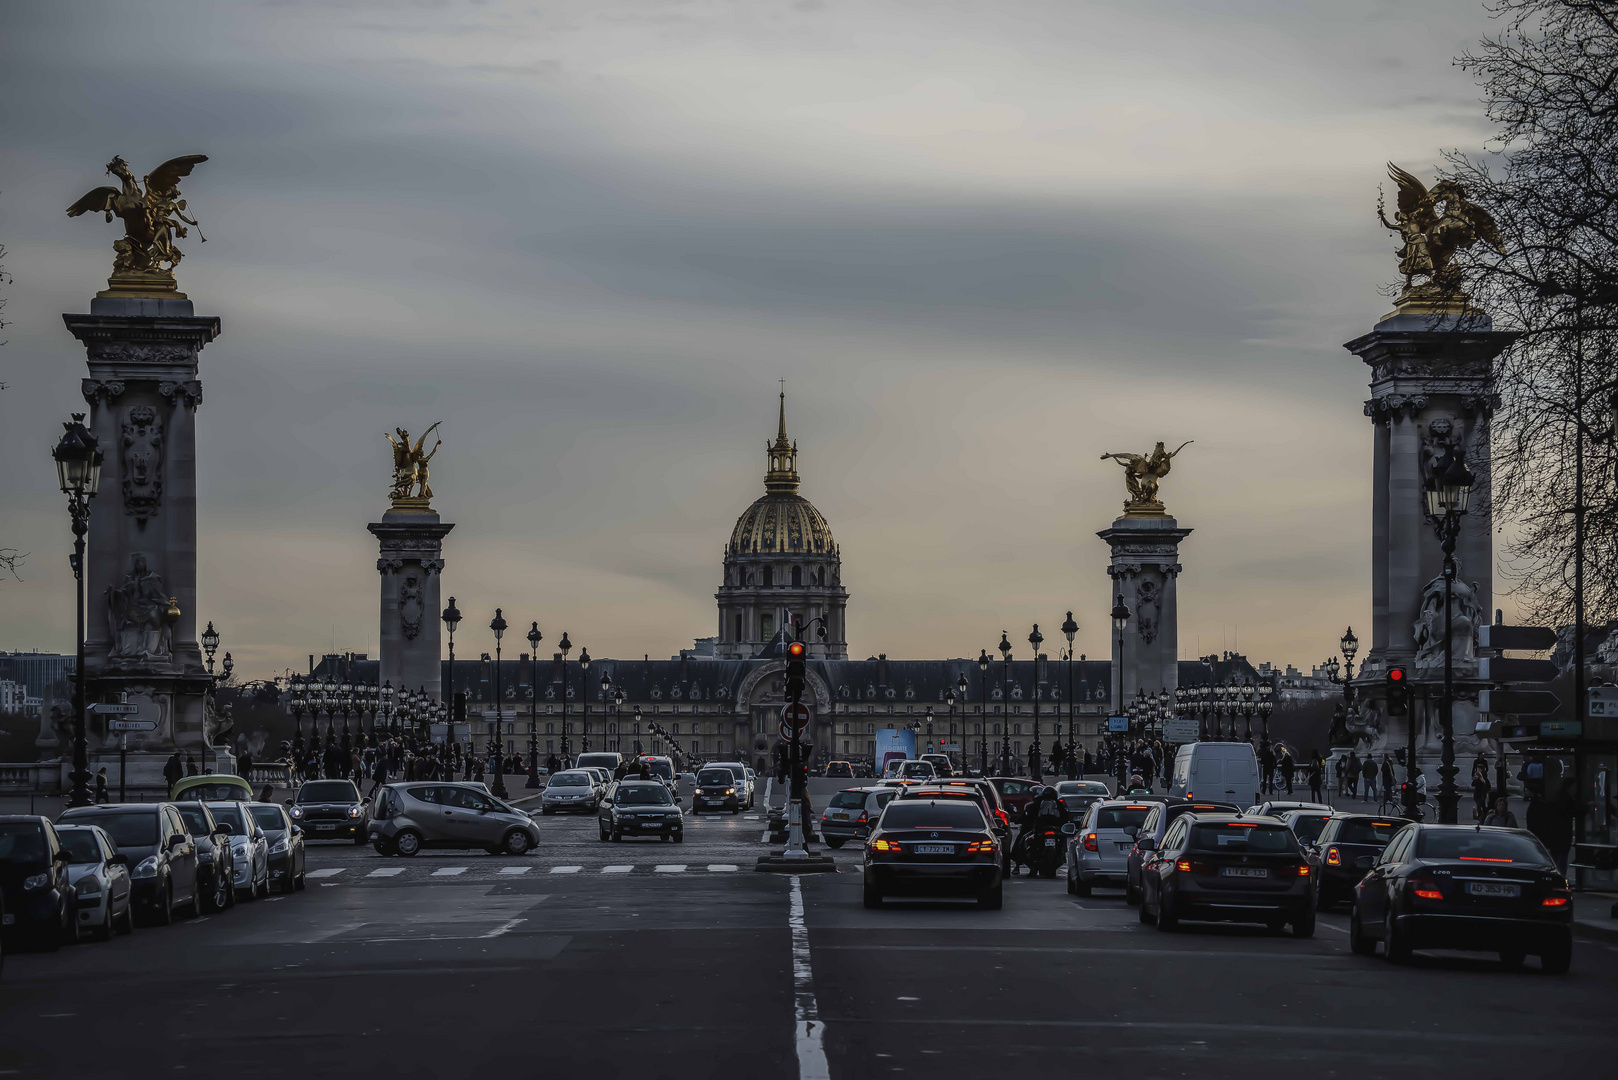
[[1121, 817], [1474, 845], [1237, 837], [1308, 827], [848, 800], [954, 814], [1082, 787], [1369, 832]]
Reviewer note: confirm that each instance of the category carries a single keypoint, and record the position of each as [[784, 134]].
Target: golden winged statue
[[1142, 473], [410, 490], [145, 256], [1435, 224]]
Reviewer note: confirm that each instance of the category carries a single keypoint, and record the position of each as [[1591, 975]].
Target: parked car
[[102, 893], [640, 807], [1155, 826], [285, 840], [1345, 851], [744, 786], [1465, 887], [215, 869], [161, 851], [409, 816], [1098, 850], [34, 881], [1229, 868], [850, 813], [718, 789], [1216, 772], [215, 787], [249, 848], [329, 810], [571, 789], [932, 847]]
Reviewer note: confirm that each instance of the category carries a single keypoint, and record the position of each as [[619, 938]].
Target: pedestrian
[[267, 793], [244, 765], [1387, 776], [101, 784], [1353, 766], [477, 771], [1368, 772], [1317, 775], [1341, 768], [1552, 821], [1480, 793], [1266, 770], [173, 769], [1502, 815], [191, 765], [1288, 768], [379, 777]]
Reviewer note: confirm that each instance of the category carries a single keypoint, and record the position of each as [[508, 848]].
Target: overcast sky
[[983, 243]]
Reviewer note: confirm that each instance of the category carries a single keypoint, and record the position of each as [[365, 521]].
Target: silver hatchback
[[409, 816], [1098, 852]]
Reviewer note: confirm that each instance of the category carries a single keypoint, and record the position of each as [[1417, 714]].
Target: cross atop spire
[[782, 474]]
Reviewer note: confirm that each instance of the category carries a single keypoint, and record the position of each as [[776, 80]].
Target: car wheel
[[679, 837], [1131, 895], [1394, 944], [302, 883], [1303, 924], [617, 837], [547, 810], [262, 889], [993, 899], [288, 881], [834, 844], [221, 893], [1167, 920], [1557, 958], [1145, 914], [382, 848], [873, 897], [603, 829], [1357, 941], [407, 843], [1082, 888], [1072, 886], [127, 926], [1512, 959], [359, 839], [165, 909], [517, 843]]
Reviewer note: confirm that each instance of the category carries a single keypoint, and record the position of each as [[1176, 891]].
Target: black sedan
[[1346, 848], [34, 882], [1465, 887], [640, 808], [933, 847], [1227, 868], [285, 842], [331, 810]]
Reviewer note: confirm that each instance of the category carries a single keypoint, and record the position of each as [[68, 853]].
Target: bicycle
[[1393, 806]]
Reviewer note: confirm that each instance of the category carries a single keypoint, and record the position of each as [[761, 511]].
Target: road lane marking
[[811, 1054], [515, 869], [669, 868], [502, 928], [566, 869], [1189, 954], [1173, 1027], [330, 871], [722, 868], [449, 871], [387, 871], [616, 869]]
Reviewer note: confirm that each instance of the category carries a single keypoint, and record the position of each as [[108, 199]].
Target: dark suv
[[33, 879], [1345, 851], [331, 810], [162, 853], [1230, 868]]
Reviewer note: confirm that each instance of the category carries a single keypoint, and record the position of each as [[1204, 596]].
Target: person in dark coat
[[173, 769], [1552, 821], [191, 766], [101, 784], [1288, 768]]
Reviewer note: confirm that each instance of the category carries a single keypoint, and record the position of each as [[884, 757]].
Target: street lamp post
[[210, 642], [983, 698], [566, 646], [617, 705], [1005, 701], [949, 700], [452, 619], [498, 625], [78, 469], [960, 696], [1447, 496], [1036, 755], [606, 696], [584, 692], [1120, 619], [637, 731], [534, 638], [1069, 630]]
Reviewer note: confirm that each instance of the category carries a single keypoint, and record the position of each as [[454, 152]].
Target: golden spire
[[782, 474]]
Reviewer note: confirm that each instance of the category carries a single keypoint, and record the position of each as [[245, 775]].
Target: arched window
[[797, 577], [738, 627], [769, 577]]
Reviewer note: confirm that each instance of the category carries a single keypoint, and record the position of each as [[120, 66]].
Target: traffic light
[[796, 674], [460, 707], [1398, 679]]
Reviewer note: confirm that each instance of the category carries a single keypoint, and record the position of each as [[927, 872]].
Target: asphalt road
[[648, 960]]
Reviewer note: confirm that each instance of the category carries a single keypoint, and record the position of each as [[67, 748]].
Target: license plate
[[324, 827], [712, 802], [1243, 872], [935, 849], [1485, 888], [9, 919], [1125, 845], [840, 817], [1050, 843]]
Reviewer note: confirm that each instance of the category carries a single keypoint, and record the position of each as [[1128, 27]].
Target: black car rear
[[933, 847], [331, 810], [1228, 868], [1346, 849]]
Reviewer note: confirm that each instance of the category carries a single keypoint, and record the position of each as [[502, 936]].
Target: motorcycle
[[1044, 849]]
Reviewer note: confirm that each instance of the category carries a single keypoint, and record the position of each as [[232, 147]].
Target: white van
[[1220, 771]]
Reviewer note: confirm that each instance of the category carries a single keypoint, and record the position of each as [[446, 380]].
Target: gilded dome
[[782, 523]]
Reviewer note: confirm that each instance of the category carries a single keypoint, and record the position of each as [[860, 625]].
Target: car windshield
[[1121, 817], [1358, 831], [231, 818], [1481, 845], [1308, 827], [570, 779], [328, 791], [716, 778], [848, 800], [22, 842], [205, 792], [951, 814], [917, 768], [1241, 837], [81, 845], [195, 819], [268, 817], [1082, 787], [134, 829], [644, 795]]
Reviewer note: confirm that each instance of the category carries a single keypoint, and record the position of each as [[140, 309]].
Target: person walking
[[379, 776], [191, 765], [101, 784], [1317, 776], [1340, 766], [1368, 774], [244, 765], [1480, 793], [1266, 771], [1353, 766], [1288, 768], [173, 769], [1501, 815], [1387, 775]]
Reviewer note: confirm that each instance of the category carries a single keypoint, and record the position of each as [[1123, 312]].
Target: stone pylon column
[[1431, 392], [1144, 571], [141, 560], [411, 564]]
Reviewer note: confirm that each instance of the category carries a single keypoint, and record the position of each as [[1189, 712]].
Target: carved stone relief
[[140, 448], [411, 607], [138, 616]]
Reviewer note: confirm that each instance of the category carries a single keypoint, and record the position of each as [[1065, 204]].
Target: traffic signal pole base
[[779, 863]]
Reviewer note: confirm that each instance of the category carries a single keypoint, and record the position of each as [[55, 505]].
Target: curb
[[1595, 931]]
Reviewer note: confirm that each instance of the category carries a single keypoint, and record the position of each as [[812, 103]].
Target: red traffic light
[[795, 650], [1396, 674]]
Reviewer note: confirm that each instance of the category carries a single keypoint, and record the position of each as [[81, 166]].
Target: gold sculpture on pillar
[[1434, 225], [410, 491], [143, 265], [1142, 473]]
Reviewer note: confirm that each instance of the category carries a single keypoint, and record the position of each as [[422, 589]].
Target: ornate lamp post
[[452, 619], [617, 704], [1005, 699], [983, 695], [387, 707], [1120, 619], [584, 692], [637, 731], [1448, 493], [606, 696], [949, 702], [565, 645], [534, 638], [498, 625], [960, 696], [1070, 630], [210, 642], [78, 469], [1036, 756], [298, 704]]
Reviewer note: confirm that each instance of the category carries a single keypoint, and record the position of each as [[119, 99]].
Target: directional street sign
[[1524, 638], [1510, 669], [950, 748], [1118, 723], [106, 709], [1180, 729], [132, 725], [1603, 701], [1518, 702]]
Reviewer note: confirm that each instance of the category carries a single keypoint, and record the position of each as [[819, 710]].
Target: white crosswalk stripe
[[515, 869], [722, 868], [386, 871], [449, 871], [566, 869], [669, 868], [616, 869], [329, 871]]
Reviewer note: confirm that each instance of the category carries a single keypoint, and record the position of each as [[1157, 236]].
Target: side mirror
[[1069, 829], [221, 830], [176, 840], [63, 856], [1146, 843], [286, 802], [297, 830], [119, 859], [1131, 831]]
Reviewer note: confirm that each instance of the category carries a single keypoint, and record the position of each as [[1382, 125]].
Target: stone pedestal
[[411, 563], [1145, 568], [1431, 391], [141, 559]]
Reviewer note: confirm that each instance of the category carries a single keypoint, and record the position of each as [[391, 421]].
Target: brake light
[[1189, 867], [1183, 864], [1303, 869], [980, 847], [885, 845], [1002, 816], [1426, 888], [1556, 901], [1090, 842], [1332, 857], [1428, 894], [863, 818], [1481, 858]]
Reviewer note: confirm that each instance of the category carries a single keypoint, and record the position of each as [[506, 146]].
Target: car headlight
[[204, 857], [147, 867], [297, 811], [88, 885], [353, 811], [36, 882], [730, 791], [240, 852], [279, 846]]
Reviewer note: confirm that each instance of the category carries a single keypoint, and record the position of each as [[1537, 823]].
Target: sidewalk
[[1593, 915]]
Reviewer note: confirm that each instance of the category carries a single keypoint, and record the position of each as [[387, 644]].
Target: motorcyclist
[[1045, 810]]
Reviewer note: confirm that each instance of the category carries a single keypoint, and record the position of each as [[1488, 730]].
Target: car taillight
[[1090, 842], [980, 847], [863, 818], [1001, 814], [1332, 857], [1557, 901], [884, 845], [1426, 888], [1303, 869], [1189, 866]]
